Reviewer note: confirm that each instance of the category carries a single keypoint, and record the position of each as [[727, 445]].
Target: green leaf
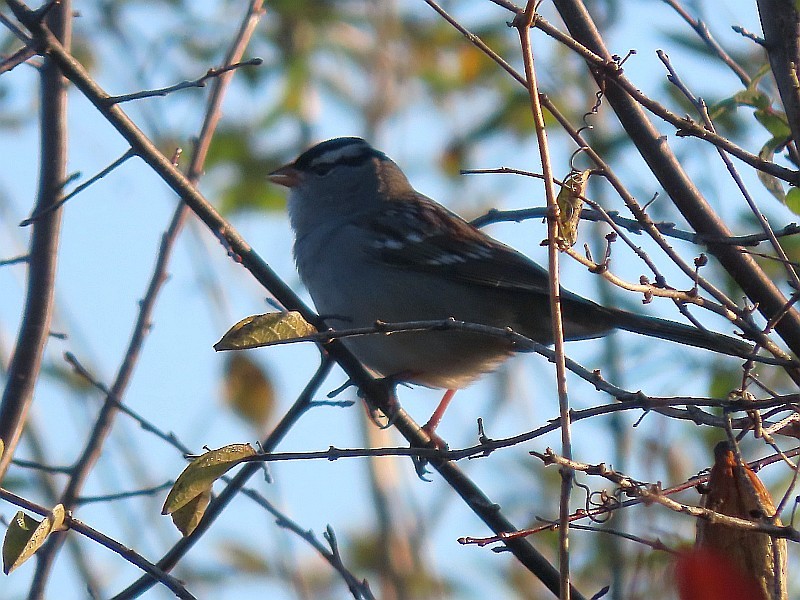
[[237, 154], [723, 380], [262, 330], [296, 86], [248, 390], [772, 183], [763, 70], [198, 477], [793, 200], [752, 97], [251, 195], [25, 535], [746, 97], [188, 516], [774, 121]]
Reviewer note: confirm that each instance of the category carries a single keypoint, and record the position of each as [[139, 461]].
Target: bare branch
[[626, 100], [110, 409], [16, 59], [523, 23], [40, 213], [15, 261], [200, 82], [42, 259], [780, 21], [702, 31], [653, 493], [151, 491], [153, 572]]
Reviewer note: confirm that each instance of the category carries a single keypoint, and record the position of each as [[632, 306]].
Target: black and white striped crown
[[348, 151]]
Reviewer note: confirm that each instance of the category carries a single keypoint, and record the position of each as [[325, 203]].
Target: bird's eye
[[322, 168]]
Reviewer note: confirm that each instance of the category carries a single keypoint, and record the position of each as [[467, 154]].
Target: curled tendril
[[600, 506], [618, 61], [598, 102]]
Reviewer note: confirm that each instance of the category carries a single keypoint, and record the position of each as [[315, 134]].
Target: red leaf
[[707, 575]]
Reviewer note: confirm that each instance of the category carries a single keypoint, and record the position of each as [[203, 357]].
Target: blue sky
[[110, 236]]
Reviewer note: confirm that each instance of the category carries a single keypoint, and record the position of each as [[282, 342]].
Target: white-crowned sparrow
[[369, 247]]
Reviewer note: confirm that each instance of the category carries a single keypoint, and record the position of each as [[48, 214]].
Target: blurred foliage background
[[399, 75]]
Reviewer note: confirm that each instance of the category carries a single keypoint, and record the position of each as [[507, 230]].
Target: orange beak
[[287, 176]]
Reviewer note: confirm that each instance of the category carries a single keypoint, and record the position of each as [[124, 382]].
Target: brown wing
[[426, 237]]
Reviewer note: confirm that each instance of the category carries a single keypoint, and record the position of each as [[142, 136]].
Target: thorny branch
[[653, 493]]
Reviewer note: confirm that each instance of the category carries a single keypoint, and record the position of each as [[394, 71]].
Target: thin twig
[[702, 31], [666, 228], [701, 108], [200, 82], [358, 588], [523, 23], [156, 574], [38, 214], [15, 260], [151, 491], [488, 445], [596, 513], [16, 59], [653, 493], [109, 411], [749, 35], [15, 29], [657, 545], [37, 466], [517, 341]]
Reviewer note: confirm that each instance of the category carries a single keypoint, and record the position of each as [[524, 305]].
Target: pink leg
[[436, 418]]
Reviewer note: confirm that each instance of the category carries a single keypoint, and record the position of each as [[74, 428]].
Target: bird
[[369, 247]]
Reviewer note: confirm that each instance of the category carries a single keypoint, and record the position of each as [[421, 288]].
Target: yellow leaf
[[25, 535], [451, 160], [243, 559], [570, 204], [200, 474], [188, 516], [470, 62], [263, 330], [57, 515], [248, 390]]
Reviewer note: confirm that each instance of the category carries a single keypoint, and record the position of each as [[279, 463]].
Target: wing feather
[[424, 236]]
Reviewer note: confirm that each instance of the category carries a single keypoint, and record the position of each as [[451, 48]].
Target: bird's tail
[[678, 332]]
